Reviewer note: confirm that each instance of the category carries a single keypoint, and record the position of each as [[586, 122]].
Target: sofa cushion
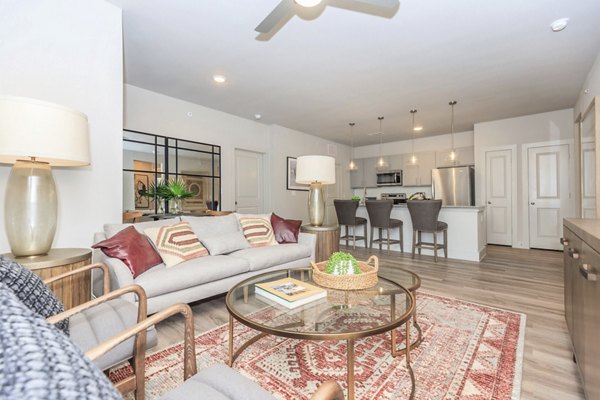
[[206, 227], [31, 291], [38, 361], [270, 256], [132, 248], [176, 243], [112, 229], [161, 280], [225, 244], [286, 230], [95, 325], [257, 230]]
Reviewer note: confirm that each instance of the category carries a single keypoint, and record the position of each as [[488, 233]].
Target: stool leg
[[435, 246], [419, 242], [388, 239], [401, 238], [379, 238], [346, 235], [371, 245], [414, 243], [354, 237], [365, 231], [445, 243]]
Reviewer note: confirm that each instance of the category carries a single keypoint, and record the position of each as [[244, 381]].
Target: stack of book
[[290, 292]]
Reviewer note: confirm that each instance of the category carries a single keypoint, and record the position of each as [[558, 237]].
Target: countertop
[[587, 229], [478, 208]]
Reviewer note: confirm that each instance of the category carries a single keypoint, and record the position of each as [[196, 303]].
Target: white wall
[[591, 85], [152, 112], [70, 52], [519, 131]]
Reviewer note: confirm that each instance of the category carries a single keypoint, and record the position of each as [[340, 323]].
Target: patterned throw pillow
[[31, 291], [176, 243], [257, 230], [38, 362]]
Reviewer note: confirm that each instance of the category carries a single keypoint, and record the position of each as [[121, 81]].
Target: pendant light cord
[[413, 112], [452, 104]]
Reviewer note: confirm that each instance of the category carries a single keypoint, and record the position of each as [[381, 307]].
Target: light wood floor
[[526, 281]]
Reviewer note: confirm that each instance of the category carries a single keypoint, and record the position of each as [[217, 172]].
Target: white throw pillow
[[225, 244]]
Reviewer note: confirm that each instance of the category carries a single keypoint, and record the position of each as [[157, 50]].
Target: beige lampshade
[[49, 132], [315, 169]]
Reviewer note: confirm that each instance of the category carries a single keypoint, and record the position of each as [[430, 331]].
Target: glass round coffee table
[[341, 315]]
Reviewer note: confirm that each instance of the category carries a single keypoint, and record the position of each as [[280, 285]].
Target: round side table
[[328, 240], [73, 290]]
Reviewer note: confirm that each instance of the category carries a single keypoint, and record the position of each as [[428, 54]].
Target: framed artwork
[[291, 176], [198, 186], [140, 185]]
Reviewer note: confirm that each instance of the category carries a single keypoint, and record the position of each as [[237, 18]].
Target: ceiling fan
[[286, 7]]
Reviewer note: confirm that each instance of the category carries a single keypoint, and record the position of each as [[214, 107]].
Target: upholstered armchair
[[90, 323]]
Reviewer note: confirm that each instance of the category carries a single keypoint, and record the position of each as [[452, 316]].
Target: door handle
[[564, 242], [489, 202], [532, 203], [588, 272], [573, 254]]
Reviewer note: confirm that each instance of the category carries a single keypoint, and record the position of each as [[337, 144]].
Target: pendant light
[[453, 151], [413, 159], [352, 165], [381, 163]]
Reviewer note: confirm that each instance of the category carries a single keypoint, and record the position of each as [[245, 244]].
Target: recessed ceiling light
[[257, 116], [219, 78], [559, 24], [418, 128], [307, 3]]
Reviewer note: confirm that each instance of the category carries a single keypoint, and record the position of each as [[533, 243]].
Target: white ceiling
[[335, 65]]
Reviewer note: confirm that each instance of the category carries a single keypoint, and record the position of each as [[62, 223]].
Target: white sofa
[[207, 276]]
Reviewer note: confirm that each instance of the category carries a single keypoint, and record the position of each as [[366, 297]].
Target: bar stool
[[424, 215], [379, 217], [346, 215]]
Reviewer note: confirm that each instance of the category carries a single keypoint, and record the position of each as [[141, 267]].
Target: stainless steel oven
[[389, 178]]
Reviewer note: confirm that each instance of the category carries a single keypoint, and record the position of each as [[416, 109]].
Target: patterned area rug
[[469, 351]]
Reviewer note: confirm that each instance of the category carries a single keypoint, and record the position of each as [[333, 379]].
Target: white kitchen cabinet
[[357, 176], [396, 162], [370, 172], [418, 174], [464, 156]]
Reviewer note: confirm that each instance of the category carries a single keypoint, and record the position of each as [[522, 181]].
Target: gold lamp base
[[316, 204], [30, 208]]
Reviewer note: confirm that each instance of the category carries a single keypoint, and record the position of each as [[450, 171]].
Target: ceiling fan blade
[[380, 3], [279, 12]]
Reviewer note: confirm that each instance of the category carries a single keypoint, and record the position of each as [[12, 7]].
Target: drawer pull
[[588, 272], [564, 242], [573, 254]]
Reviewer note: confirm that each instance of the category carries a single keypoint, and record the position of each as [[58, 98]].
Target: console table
[[328, 240], [73, 290]]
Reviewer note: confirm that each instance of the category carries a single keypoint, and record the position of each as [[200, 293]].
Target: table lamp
[[35, 135], [315, 171]]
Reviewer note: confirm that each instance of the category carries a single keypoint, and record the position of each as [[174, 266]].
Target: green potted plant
[[341, 263], [178, 190]]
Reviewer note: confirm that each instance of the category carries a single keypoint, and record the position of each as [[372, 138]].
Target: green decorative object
[[173, 190], [356, 198], [341, 263]]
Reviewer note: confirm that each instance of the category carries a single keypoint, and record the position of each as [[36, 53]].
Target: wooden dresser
[[581, 242]]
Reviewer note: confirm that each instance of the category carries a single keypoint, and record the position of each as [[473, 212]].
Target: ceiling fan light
[[308, 3], [418, 128], [452, 155]]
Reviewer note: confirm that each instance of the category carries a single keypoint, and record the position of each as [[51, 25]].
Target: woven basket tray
[[367, 279]]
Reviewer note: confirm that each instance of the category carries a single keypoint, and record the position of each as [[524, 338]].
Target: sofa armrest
[[310, 240]]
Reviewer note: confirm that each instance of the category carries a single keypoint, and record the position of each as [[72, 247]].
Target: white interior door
[[249, 182], [333, 192], [548, 194], [588, 180], [498, 182]]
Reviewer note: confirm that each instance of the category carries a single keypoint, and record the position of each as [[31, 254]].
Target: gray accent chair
[[380, 212], [424, 215], [346, 216]]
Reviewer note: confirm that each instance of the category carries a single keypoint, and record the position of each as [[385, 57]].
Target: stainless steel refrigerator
[[455, 186]]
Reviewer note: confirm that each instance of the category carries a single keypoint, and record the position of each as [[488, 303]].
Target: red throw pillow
[[286, 230], [132, 248]]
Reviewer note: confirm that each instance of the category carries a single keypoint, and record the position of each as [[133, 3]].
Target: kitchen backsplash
[[376, 192]]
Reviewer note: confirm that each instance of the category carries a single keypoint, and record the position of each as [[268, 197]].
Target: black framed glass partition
[[149, 159]]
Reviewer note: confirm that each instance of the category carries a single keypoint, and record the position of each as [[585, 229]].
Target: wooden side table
[[328, 240], [73, 290]]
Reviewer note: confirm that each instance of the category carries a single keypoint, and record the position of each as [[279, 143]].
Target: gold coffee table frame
[[241, 292]]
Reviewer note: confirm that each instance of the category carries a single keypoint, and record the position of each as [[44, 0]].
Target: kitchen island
[[466, 231]]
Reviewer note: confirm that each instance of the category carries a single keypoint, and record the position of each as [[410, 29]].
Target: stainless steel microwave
[[389, 178]]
